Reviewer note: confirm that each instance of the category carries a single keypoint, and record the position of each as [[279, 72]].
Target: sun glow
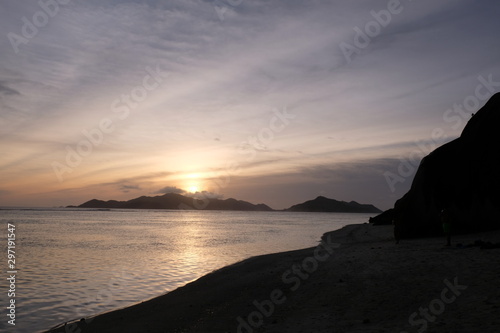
[[193, 182], [193, 189]]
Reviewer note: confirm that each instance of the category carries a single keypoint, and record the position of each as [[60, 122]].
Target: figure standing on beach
[[446, 221], [397, 228]]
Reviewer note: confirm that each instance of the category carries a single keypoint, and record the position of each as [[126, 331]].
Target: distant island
[[322, 204], [178, 201]]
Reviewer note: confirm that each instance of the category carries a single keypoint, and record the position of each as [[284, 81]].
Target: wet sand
[[356, 280]]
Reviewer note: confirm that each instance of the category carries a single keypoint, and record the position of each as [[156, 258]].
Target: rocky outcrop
[[462, 176], [384, 218]]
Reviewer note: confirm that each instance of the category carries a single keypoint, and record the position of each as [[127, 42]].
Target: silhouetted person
[[446, 221]]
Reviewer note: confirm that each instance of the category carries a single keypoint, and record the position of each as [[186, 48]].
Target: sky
[[272, 102]]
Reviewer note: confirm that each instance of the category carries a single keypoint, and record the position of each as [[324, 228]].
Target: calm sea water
[[76, 263]]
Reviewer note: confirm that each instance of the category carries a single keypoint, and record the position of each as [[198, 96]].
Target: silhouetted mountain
[[176, 201], [322, 204], [462, 176]]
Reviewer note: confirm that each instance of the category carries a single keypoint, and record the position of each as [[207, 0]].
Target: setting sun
[[193, 189], [193, 182]]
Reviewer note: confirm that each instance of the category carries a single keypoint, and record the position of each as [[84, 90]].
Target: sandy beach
[[356, 280]]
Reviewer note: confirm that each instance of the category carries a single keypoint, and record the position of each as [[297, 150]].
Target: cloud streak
[[6, 90]]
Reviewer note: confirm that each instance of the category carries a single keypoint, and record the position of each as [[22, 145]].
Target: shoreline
[[355, 280]]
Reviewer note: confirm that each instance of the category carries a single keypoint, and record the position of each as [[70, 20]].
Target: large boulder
[[461, 176]]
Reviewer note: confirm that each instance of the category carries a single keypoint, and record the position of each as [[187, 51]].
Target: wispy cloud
[[6, 90], [170, 189]]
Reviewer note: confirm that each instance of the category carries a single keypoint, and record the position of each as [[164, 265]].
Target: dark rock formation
[[461, 176], [384, 218], [322, 204], [176, 201]]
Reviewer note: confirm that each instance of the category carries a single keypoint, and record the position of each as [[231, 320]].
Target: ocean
[[73, 263]]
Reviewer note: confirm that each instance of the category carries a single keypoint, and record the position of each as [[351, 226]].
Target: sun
[[193, 189], [193, 182]]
